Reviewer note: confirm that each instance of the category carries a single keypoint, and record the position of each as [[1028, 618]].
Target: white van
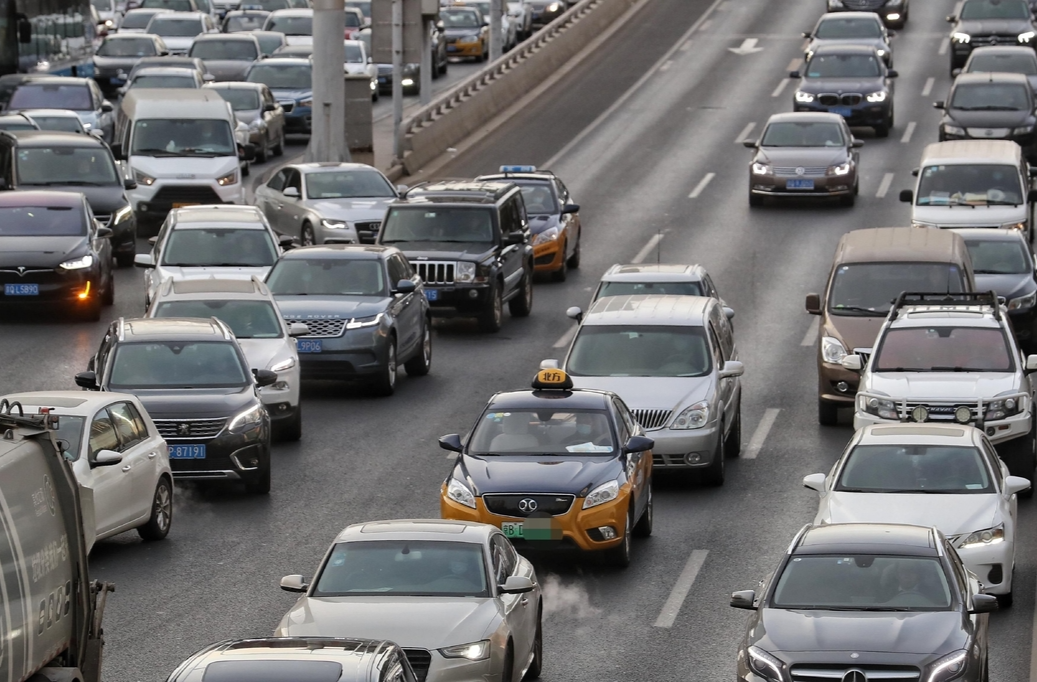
[[181, 150], [972, 183]]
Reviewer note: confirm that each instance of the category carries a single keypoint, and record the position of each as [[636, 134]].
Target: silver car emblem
[[21, 270], [183, 429], [855, 675], [801, 170], [855, 655], [527, 505]]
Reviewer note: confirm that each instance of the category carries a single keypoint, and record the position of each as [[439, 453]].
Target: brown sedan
[[804, 154]]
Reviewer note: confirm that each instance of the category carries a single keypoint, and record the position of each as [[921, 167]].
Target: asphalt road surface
[[633, 157]]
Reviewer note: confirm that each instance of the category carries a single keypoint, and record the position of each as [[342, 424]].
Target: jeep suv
[[950, 359], [470, 243]]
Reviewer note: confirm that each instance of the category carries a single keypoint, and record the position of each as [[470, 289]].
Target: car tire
[[755, 200], [419, 365], [536, 666], [307, 239], [848, 200], [619, 556], [522, 305], [643, 529], [574, 260], [713, 475], [492, 316], [1004, 601], [733, 446], [161, 519], [262, 155], [827, 413], [508, 671], [279, 147], [291, 430], [882, 130], [385, 383], [562, 273], [260, 486]]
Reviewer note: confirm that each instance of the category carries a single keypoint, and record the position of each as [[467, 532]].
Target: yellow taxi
[[555, 467], [465, 31]]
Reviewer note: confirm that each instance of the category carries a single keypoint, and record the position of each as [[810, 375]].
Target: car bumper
[[77, 287], [865, 114], [826, 186], [549, 257], [465, 50], [831, 380], [300, 121], [992, 564], [228, 457], [357, 353], [462, 300], [684, 449], [151, 203], [997, 431]]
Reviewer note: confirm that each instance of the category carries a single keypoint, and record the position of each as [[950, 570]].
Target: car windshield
[[136, 20], [158, 81], [943, 349], [843, 66], [404, 568], [991, 97], [648, 288], [1025, 62], [268, 5], [285, 76], [349, 184], [542, 432], [920, 469], [247, 319], [183, 137], [354, 53], [235, 50], [290, 25], [269, 42], [177, 364], [42, 221], [438, 224], [215, 247], [127, 47], [460, 18], [538, 197], [168, 27], [664, 351], [327, 277], [57, 165], [170, 5], [803, 134], [862, 582], [51, 96], [995, 9], [102, 5], [16, 125], [363, 5], [244, 22], [969, 184], [64, 124], [869, 289], [352, 20], [848, 28], [1000, 257], [240, 99]]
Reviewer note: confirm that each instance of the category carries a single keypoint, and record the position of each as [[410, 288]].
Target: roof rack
[[947, 300]]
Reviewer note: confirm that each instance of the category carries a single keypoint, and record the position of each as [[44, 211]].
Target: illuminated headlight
[[694, 417], [882, 408], [360, 322], [109, 23], [605, 492], [1004, 407], [961, 38], [78, 263], [554, 7], [1013, 226], [306, 102], [247, 419], [841, 169], [459, 492], [761, 168], [464, 272], [1022, 130], [548, 235], [763, 664], [122, 214], [989, 536], [875, 97], [881, 53], [893, 16], [1023, 302], [228, 179], [809, 55], [283, 365], [334, 224], [832, 350], [948, 667], [804, 97], [407, 82], [143, 178], [953, 129], [1026, 37], [476, 651]]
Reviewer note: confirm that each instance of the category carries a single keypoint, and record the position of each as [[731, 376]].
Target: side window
[[405, 267], [721, 327], [126, 425], [623, 430], [520, 211], [395, 272], [563, 192], [503, 561], [715, 345], [626, 416], [277, 182], [508, 223], [293, 180], [102, 435], [992, 459]]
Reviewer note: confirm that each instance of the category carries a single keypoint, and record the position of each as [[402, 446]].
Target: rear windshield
[[994, 9], [171, 5], [169, 27], [236, 50], [327, 277], [943, 349], [289, 25], [843, 66], [915, 469], [647, 288], [42, 221], [136, 19], [664, 351], [869, 289], [64, 124], [240, 99], [1025, 63], [156, 81], [848, 28], [438, 224], [266, 5], [83, 166], [268, 43], [127, 47], [247, 319], [177, 364], [51, 96], [969, 184], [219, 247], [243, 22]]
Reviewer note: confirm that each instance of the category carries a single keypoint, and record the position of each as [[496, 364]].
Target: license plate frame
[[310, 346], [21, 289], [431, 295], [184, 451], [801, 184], [845, 112], [513, 530]]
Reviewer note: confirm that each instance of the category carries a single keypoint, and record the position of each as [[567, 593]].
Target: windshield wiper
[[148, 151], [988, 107], [193, 151], [995, 272], [77, 183], [962, 369], [1001, 202], [857, 309]]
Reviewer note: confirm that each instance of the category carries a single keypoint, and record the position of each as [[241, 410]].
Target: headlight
[[122, 214], [809, 55], [228, 179], [948, 667], [283, 365], [875, 97], [881, 53], [306, 102], [1023, 302], [605, 492], [78, 263], [1000, 408], [256, 124], [247, 419], [143, 178], [1026, 37], [334, 224], [961, 38], [548, 235], [694, 417], [953, 129], [358, 322], [1022, 130], [841, 169], [464, 272], [804, 96], [407, 82], [459, 492], [981, 538], [476, 651], [832, 350], [763, 664], [883, 408], [554, 7], [1013, 226], [761, 168]]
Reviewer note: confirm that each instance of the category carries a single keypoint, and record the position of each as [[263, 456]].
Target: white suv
[[950, 358]]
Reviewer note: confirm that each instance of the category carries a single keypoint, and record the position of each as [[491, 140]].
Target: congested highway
[[647, 133]]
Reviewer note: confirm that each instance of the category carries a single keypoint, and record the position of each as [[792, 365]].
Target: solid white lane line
[[781, 87], [565, 338], [1033, 648], [770, 415], [944, 44], [811, 335], [647, 249], [928, 89], [745, 132], [686, 46], [666, 65], [908, 132], [887, 180], [681, 588], [701, 186]]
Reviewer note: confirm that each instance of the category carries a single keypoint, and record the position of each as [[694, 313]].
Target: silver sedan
[[454, 595]]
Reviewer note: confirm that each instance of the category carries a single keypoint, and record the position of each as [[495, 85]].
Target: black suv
[[893, 12], [194, 381], [990, 22], [470, 243], [73, 163]]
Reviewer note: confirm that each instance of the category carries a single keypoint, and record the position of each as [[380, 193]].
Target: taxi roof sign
[[552, 379], [518, 169]]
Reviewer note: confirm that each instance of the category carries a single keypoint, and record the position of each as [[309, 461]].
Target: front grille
[[189, 429], [367, 232], [528, 505], [826, 673], [831, 99], [419, 660], [807, 170], [186, 194], [863, 5], [652, 419], [938, 411], [667, 460], [287, 105], [994, 40], [432, 272], [31, 276], [321, 329], [988, 133]]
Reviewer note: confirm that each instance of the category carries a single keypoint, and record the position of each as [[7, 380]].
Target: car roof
[[663, 272], [56, 80], [458, 191], [844, 48], [900, 244], [991, 77], [240, 36], [41, 197], [1003, 49], [132, 36], [69, 402], [575, 398], [870, 16], [329, 166], [972, 152], [224, 215], [918, 434], [55, 138], [988, 234], [282, 61], [171, 14], [685, 311], [805, 117], [417, 529], [356, 656], [956, 316], [340, 251], [63, 113], [166, 71], [867, 538], [185, 328]]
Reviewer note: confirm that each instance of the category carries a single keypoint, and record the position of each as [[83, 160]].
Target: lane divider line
[[928, 89], [701, 186], [794, 64], [647, 248], [909, 132], [811, 335], [666, 65], [706, 24], [944, 45], [686, 46], [770, 415], [680, 590], [781, 87], [745, 132], [887, 180], [565, 338]]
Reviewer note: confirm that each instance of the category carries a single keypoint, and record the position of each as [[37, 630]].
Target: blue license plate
[[383, 79], [845, 112], [186, 452], [451, 48], [310, 345], [21, 290], [432, 294], [799, 184]]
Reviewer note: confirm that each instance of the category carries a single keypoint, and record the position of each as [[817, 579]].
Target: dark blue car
[[291, 81]]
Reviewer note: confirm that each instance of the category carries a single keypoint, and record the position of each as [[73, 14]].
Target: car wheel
[[827, 413], [713, 475], [263, 154], [562, 273], [492, 316], [419, 365], [1004, 601], [161, 519], [643, 529], [733, 446], [620, 556], [385, 382], [279, 147], [260, 486], [307, 235], [509, 665], [109, 290], [522, 305], [246, 170], [537, 664], [291, 430], [574, 260], [848, 200]]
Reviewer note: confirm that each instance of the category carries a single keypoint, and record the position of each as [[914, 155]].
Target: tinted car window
[[70, 430], [848, 28], [127, 47], [944, 349], [51, 96], [169, 27], [665, 351], [988, 9], [542, 432], [247, 319], [460, 18], [347, 185], [438, 224], [289, 25], [41, 221], [244, 22], [998, 257], [176, 364], [125, 425], [64, 124], [843, 66], [991, 97], [156, 81], [870, 288], [644, 288], [66, 165], [915, 469], [863, 582], [789, 134], [219, 247], [102, 435], [240, 100], [331, 277], [1004, 63], [183, 137], [969, 184], [239, 50], [136, 20]]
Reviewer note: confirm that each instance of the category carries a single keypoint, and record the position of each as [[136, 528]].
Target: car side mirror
[[852, 362], [955, 72], [750, 144], [129, 183], [451, 442], [117, 153], [575, 313], [857, 144], [808, 35], [294, 583], [104, 232], [892, 73], [286, 241], [570, 208], [638, 444], [939, 104], [516, 584], [405, 286], [87, 380], [264, 377], [815, 482], [1031, 363], [550, 363], [291, 192], [794, 74], [743, 599], [951, 19], [144, 260], [208, 77], [907, 196], [732, 369], [297, 329], [105, 458], [515, 238], [402, 189], [729, 312], [813, 304], [106, 107], [983, 603], [248, 152], [1016, 484], [914, 172]]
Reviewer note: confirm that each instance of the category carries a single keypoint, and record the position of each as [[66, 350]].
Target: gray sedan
[[454, 595], [228, 56], [255, 106], [119, 53], [322, 203]]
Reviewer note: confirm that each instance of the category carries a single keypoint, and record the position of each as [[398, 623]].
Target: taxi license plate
[[845, 112], [532, 529], [511, 530], [21, 290], [186, 452], [310, 345], [799, 184], [181, 204], [432, 294]]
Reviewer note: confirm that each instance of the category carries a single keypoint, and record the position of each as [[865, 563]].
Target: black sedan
[[893, 12], [990, 106], [990, 22], [849, 80], [53, 251], [851, 28], [1002, 262], [866, 601]]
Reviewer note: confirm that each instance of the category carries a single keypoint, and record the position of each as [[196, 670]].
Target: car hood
[[228, 69], [298, 40], [198, 402], [799, 156], [854, 331], [540, 223], [294, 94], [541, 474], [261, 353], [445, 250], [942, 386], [993, 26], [39, 252], [246, 116], [877, 43], [924, 633], [103, 200], [185, 167], [461, 32], [841, 85], [178, 43], [664, 393], [1009, 286], [963, 216], [988, 119], [230, 272], [952, 514], [351, 209], [411, 622], [330, 307]]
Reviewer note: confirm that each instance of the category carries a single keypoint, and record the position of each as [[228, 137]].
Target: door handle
[[127, 467], [152, 455], [524, 601]]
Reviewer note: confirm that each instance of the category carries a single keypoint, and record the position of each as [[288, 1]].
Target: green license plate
[[532, 529], [511, 530]]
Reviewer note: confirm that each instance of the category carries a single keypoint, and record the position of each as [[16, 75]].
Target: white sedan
[[118, 457], [947, 476]]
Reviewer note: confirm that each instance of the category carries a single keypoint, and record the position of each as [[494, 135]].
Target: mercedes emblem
[[855, 675]]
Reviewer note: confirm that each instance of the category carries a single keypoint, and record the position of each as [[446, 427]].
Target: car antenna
[[658, 246]]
